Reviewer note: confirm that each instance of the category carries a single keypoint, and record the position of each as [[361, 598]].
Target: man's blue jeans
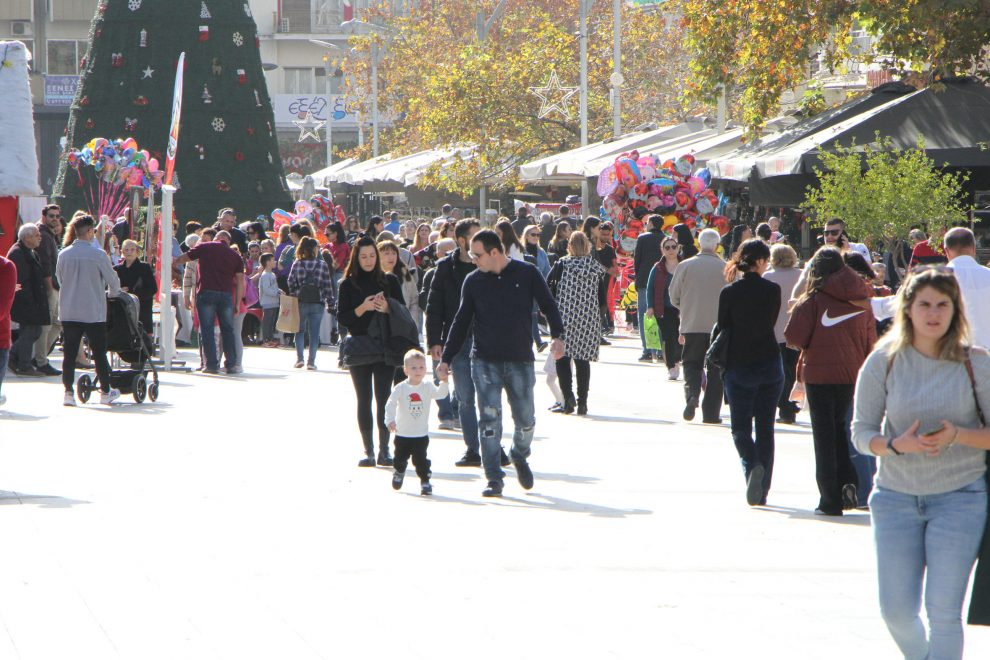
[[213, 305], [460, 367], [517, 379], [753, 391], [930, 542], [445, 411], [4, 356]]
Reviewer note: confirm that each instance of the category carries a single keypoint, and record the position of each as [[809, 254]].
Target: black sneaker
[[426, 488], [713, 420], [692, 403], [384, 459], [604, 342], [504, 461], [754, 486], [397, 478], [494, 489], [524, 473], [49, 370], [368, 461], [470, 459], [849, 499], [646, 357]]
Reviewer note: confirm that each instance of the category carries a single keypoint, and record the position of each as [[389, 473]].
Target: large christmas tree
[[228, 151]]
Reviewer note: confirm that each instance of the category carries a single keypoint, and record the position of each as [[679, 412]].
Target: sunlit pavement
[[229, 520]]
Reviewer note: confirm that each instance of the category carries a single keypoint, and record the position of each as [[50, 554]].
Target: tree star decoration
[[554, 90], [309, 127], [147, 73]]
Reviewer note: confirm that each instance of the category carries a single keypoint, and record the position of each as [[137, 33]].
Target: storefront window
[[64, 57]]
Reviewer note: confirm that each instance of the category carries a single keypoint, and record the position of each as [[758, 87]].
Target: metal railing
[[325, 21]]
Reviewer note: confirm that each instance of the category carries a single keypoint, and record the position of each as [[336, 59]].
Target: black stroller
[[126, 338]]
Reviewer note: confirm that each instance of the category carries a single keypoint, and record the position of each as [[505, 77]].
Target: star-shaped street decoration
[[309, 127], [147, 73], [554, 96]]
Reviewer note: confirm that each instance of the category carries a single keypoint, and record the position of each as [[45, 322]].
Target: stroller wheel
[[153, 391], [139, 387], [84, 388]]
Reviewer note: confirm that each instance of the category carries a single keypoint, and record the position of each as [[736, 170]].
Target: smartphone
[[931, 433]]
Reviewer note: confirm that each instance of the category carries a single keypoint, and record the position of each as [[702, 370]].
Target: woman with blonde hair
[[574, 282], [920, 403], [784, 273]]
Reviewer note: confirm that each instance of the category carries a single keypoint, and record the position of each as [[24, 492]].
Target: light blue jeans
[[927, 542], [517, 379], [310, 318], [460, 369]]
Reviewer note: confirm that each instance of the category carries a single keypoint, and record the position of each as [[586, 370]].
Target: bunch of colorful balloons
[[319, 210], [636, 186], [119, 162]]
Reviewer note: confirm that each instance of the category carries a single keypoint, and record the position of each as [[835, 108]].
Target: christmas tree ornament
[[218, 124], [239, 156], [269, 128], [206, 95], [201, 151], [130, 124], [241, 77], [204, 33], [133, 5], [98, 33], [250, 130], [90, 124], [238, 39], [141, 100], [223, 187], [259, 188], [143, 43], [204, 12], [84, 101], [82, 64], [217, 69], [270, 159], [257, 99], [116, 60], [247, 10], [147, 73], [257, 41], [553, 96]]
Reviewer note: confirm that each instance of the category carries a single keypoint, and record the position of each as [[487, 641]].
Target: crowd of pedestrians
[[884, 352]]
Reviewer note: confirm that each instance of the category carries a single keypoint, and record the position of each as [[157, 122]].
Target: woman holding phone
[[920, 399]]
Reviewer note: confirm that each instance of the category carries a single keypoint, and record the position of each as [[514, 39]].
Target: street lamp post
[[484, 27], [326, 70], [355, 26], [583, 40], [616, 78]]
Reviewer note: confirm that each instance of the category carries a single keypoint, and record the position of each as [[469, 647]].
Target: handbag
[[357, 350], [979, 604], [288, 314], [718, 351]]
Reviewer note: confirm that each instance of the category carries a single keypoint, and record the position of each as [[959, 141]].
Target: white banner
[[290, 107]]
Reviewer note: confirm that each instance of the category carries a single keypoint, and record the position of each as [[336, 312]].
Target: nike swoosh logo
[[828, 321]]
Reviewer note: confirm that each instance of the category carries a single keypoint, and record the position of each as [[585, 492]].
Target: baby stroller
[[126, 338]]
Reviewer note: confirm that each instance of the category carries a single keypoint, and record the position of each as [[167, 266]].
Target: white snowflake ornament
[[218, 124], [238, 39], [204, 11], [133, 5]]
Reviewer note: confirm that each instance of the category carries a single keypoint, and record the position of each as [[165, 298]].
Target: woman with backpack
[[309, 281], [832, 325], [920, 403]]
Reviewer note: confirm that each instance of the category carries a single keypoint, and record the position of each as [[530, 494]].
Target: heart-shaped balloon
[[281, 217]]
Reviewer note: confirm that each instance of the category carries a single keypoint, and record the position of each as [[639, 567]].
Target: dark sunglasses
[[670, 247], [832, 232]]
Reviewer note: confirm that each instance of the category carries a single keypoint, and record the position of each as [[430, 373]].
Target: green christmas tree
[[228, 151]]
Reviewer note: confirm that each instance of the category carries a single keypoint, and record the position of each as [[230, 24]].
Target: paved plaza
[[229, 521]]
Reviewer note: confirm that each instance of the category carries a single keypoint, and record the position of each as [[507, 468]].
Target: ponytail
[[746, 257]]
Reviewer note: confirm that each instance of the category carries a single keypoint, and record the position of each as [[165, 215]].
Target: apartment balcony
[[299, 23]]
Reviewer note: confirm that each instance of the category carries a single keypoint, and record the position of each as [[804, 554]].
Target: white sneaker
[[69, 399], [106, 398], [674, 372], [311, 367]]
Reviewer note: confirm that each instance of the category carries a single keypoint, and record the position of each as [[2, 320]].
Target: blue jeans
[[310, 318], [866, 466], [4, 356], [335, 278], [211, 305], [753, 390], [460, 367], [517, 379], [445, 412], [931, 542]]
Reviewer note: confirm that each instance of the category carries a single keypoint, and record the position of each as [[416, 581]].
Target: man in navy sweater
[[498, 299]]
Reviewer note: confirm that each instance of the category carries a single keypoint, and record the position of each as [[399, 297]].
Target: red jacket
[[834, 335], [8, 281]]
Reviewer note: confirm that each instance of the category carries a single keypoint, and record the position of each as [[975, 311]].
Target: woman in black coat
[[363, 295], [30, 307], [138, 279]]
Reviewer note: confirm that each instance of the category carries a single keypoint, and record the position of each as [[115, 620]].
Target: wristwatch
[[892, 448]]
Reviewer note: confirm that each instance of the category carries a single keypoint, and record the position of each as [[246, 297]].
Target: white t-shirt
[[409, 407]]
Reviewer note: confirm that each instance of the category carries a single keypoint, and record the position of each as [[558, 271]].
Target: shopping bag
[[651, 330], [288, 314]]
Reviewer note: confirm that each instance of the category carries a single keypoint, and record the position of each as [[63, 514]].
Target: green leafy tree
[[228, 152], [881, 193]]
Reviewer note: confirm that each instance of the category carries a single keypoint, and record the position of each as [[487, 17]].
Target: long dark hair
[[826, 262], [508, 236], [745, 258], [354, 269], [400, 269], [591, 222], [337, 233], [684, 238]]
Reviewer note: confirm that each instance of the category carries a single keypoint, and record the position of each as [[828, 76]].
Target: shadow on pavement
[[570, 506], [125, 408], [634, 420], [9, 498], [861, 520], [18, 417], [457, 476], [569, 478], [443, 498]]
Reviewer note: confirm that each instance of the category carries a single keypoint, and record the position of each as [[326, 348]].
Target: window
[[64, 57], [336, 81], [299, 80]]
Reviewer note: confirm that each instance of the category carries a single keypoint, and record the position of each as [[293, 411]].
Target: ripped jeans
[[518, 380]]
